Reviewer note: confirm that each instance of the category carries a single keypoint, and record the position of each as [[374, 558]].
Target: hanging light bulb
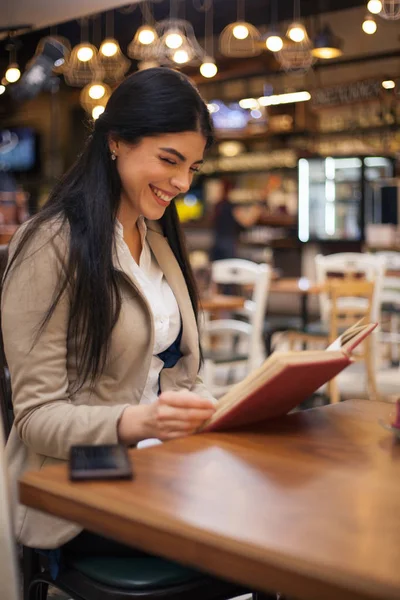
[[97, 91], [147, 35], [173, 40], [85, 53], [274, 42], [374, 6], [369, 25], [109, 47], [296, 32], [208, 67], [388, 84], [13, 73], [2, 89], [97, 111], [180, 57], [240, 31]]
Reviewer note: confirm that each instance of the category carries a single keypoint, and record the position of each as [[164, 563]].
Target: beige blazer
[[49, 416]]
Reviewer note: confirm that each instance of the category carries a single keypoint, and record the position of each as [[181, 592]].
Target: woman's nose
[[182, 181]]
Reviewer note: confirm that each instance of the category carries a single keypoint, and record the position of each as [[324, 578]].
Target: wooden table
[[302, 287], [218, 302], [309, 505]]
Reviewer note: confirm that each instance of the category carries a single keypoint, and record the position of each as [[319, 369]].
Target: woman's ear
[[113, 144]]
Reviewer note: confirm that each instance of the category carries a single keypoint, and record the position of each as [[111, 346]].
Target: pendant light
[[13, 72], [208, 67], [144, 45], [273, 41], [369, 25], [240, 39], [113, 61], [296, 30], [326, 44], [83, 65], [374, 6], [93, 96]]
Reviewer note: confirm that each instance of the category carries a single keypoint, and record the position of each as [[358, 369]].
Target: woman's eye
[[168, 160], [195, 170]]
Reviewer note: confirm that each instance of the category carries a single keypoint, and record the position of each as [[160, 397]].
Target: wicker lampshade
[[169, 46], [390, 10], [113, 61], [296, 57], [231, 45], [144, 45], [94, 94], [78, 72]]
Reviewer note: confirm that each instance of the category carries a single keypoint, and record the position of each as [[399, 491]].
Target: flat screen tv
[[18, 149]]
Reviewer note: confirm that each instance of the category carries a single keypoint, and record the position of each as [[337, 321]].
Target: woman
[[99, 304]]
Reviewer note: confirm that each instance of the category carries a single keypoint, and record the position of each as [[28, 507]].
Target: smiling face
[[154, 171]]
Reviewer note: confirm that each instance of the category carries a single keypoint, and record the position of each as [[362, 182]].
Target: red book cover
[[293, 384]]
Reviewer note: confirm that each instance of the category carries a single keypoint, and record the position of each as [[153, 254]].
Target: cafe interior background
[[304, 97]]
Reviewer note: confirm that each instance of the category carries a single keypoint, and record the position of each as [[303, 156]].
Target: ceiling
[[43, 13]]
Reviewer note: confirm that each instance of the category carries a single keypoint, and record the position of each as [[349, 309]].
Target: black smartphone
[[99, 462]]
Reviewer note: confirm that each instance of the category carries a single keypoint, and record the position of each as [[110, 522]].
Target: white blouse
[[163, 304]]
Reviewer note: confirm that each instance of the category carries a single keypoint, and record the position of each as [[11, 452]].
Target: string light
[[208, 68], [147, 35], [13, 73], [97, 91], [240, 32], [97, 111], [274, 43], [296, 32], [85, 54], [374, 6], [173, 40], [108, 48], [369, 25], [180, 57]]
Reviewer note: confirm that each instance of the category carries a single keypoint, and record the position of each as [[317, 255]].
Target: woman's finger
[[184, 399], [189, 415]]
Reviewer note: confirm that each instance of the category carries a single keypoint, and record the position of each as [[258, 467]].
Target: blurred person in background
[[229, 220]]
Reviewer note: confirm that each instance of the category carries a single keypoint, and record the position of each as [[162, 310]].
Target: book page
[[348, 335]]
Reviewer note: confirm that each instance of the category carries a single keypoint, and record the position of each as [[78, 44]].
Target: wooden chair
[[390, 305], [237, 341], [95, 578], [349, 301], [350, 266]]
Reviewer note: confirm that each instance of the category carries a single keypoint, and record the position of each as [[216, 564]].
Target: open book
[[283, 381]]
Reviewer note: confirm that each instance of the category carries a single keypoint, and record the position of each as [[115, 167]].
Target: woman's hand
[[173, 415]]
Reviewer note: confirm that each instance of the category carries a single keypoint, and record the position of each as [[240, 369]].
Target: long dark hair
[[150, 102]]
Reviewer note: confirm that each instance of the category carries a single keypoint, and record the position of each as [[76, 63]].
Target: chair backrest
[[343, 314], [8, 559], [350, 266], [247, 273], [391, 283]]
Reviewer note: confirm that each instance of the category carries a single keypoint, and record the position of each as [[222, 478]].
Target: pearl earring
[[113, 155]]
